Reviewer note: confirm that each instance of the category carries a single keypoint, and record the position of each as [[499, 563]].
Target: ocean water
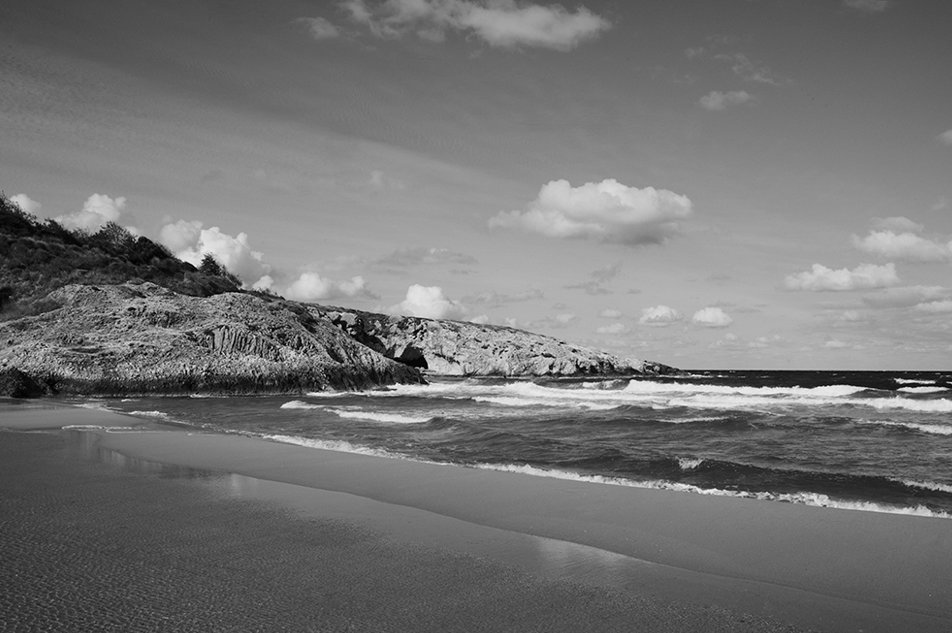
[[877, 441]]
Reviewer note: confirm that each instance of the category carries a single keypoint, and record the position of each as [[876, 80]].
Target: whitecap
[[922, 389]]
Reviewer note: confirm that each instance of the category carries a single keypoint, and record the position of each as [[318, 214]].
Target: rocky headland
[[141, 338], [461, 348]]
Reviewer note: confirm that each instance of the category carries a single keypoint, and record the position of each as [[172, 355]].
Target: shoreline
[[810, 567]]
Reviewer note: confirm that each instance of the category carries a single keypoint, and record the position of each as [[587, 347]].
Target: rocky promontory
[[141, 338], [461, 348]]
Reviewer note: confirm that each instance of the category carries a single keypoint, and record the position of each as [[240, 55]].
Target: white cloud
[[613, 328], [607, 211], [190, 242], [26, 203], [660, 315], [935, 306], [320, 28], [499, 299], [749, 70], [868, 6], [898, 224], [480, 319], [903, 246], [565, 318], [610, 314], [945, 138], [419, 256], [499, 23], [906, 296], [864, 276], [717, 100], [711, 317], [428, 302], [310, 286], [96, 212], [835, 344]]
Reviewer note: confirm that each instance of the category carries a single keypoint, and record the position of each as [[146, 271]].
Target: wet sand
[[169, 530]]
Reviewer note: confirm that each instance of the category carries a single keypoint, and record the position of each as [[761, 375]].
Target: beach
[[120, 523]]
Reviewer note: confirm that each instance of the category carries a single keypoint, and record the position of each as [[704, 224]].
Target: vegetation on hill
[[37, 257]]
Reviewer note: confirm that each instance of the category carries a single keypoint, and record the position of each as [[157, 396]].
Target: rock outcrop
[[140, 338], [459, 348]]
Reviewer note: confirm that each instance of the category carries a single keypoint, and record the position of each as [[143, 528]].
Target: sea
[[859, 440]]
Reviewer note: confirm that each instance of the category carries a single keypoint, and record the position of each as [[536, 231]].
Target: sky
[[708, 184]]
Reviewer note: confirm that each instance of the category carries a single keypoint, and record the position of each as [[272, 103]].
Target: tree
[[210, 266]]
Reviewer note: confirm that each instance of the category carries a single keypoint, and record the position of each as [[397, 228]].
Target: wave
[[515, 401], [911, 381], [804, 498], [300, 404], [924, 485], [662, 395], [162, 415], [340, 446], [689, 463], [358, 414], [922, 389], [932, 429]]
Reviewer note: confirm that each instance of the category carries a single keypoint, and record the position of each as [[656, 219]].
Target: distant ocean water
[[879, 441]]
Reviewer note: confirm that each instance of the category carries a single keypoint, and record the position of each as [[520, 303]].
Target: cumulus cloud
[[499, 23], [863, 277], [96, 212], [498, 299], [906, 296], [711, 317], [320, 28], [935, 306], [867, 6], [429, 302], [835, 344], [660, 316], [945, 138], [898, 224], [26, 203], [420, 256], [607, 211], [190, 242], [749, 70], [310, 286], [717, 100], [613, 328], [903, 246], [610, 314]]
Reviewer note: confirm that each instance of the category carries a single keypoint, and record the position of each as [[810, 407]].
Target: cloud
[[406, 257], [867, 6], [608, 211], [749, 70], [320, 28], [610, 314], [903, 246], [379, 180], [428, 302], [26, 203], [864, 276], [906, 296], [96, 212], [499, 23], [935, 306], [599, 277], [711, 317], [899, 224], [613, 328], [660, 316], [835, 344], [498, 299], [717, 101], [310, 286], [945, 138], [190, 242], [557, 321]]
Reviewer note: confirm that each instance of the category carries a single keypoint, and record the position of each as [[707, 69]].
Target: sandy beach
[[134, 525]]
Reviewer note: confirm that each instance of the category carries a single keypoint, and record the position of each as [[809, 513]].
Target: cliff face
[[142, 338], [457, 348]]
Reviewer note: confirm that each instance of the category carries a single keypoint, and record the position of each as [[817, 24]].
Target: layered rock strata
[[459, 348], [144, 339]]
